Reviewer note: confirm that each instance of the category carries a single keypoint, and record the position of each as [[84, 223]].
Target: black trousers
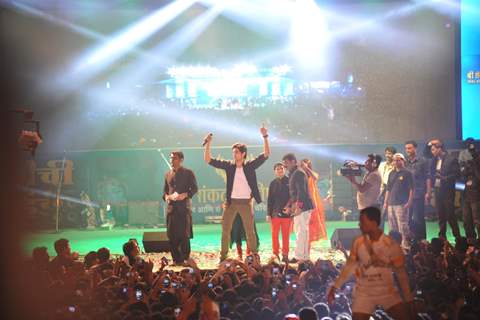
[[180, 249], [179, 230], [417, 219], [445, 205]]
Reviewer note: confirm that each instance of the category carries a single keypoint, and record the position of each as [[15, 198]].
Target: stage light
[[243, 69], [309, 34], [281, 70], [350, 78]]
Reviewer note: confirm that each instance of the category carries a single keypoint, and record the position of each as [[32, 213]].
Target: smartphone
[[177, 311], [174, 285], [294, 286], [71, 309], [274, 293], [275, 270], [124, 290], [164, 260], [166, 283], [190, 270], [139, 295], [210, 285], [227, 265], [337, 296], [250, 259], [419, 292]]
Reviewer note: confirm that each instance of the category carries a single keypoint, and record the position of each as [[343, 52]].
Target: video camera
[[350, 168]]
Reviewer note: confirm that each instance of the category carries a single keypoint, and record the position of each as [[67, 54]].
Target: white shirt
[[241, 189], [370, 196], [438, 167], [384, 169], [374, 277]]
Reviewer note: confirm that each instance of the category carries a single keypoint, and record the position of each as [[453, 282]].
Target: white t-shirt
[[375, 276], [370, 197], [241, 189], [385, 169], [438, 182]]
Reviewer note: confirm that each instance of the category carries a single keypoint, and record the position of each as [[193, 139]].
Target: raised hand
[[263, 130]]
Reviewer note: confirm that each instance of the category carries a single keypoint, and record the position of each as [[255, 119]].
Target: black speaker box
[[345, 236], [156, 241]]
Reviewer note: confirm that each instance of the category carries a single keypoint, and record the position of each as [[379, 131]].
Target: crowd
[[443, 278], [331, 118]]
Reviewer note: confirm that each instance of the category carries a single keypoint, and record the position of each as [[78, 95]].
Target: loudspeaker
[[344, 236], [144, 212], [156, 241]]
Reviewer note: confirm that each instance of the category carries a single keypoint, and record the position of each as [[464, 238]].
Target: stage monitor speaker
[[156, 241], [345, 236], [143, 212]]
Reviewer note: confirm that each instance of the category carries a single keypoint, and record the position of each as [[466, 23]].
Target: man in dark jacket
[[446, 171], [300, 206], [278, 198], [241, 188]]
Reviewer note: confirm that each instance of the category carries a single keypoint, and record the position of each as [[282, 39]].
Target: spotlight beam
[[166, 51]]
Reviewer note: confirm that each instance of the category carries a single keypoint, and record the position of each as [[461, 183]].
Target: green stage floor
[[206, 237]]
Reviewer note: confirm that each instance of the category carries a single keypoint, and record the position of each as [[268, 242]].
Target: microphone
[[205, 140]]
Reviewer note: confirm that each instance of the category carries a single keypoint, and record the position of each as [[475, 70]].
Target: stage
[[205, 244]]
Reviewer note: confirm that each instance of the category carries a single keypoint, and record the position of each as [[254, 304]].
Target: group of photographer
[[402, 185]]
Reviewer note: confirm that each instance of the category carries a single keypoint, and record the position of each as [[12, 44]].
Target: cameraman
[[368, 191], [469, 161]]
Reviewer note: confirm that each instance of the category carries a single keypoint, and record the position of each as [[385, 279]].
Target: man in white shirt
[[241, 188], [372, 259], [385, 169], [368, 191]]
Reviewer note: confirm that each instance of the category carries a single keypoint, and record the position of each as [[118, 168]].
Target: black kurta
[[179, 213]]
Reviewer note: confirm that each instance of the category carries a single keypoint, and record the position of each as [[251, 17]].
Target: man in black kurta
[[180, 187]]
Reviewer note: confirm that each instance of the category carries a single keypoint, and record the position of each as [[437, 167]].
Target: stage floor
[[205, 244]]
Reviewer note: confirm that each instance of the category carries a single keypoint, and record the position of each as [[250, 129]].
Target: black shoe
[[293, 260], [284, 259]]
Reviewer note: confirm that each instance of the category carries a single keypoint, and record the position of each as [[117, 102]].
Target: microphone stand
[[59, 190]]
